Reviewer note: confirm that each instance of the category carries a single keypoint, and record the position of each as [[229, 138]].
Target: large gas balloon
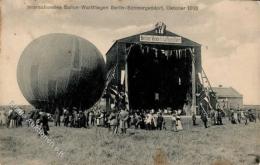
[[61, 70]]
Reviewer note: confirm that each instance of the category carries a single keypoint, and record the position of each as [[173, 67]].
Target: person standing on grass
[[86, 113], [160, 121], [3, 117], [13, 118], [212, 117], [75, 117], [123, 116], [139, 121], [178, 120], [19, 121], [57, 117], [113, 121], [44, 123], [149, 120], [246, 117], [219, 117], [66, 117], [91, 118], [204, 119], [174, 121], [82, 120], [36, 115], [193, 119]]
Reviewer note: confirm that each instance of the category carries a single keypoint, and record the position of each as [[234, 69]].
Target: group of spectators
[[118, 120], [11, 118], [234, 116], [113, 120], [238, 116]]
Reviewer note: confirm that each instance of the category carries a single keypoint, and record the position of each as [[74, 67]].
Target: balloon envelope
[[61, 70]]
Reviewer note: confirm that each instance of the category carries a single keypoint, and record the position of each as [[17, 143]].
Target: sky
[[229, 32]]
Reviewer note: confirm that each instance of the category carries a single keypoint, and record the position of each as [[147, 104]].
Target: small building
[[228, 98]]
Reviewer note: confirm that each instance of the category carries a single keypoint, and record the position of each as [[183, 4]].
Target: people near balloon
[[35, 115], [15, 117], [12, 118], [43, 122], [19, 120]]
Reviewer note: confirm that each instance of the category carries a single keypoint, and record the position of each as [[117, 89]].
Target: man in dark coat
[[44, 123], [35, 115], [219, 117], [66, 117], [86, 113], [194, 119], [82, 120], [160, 121], [204, 119]]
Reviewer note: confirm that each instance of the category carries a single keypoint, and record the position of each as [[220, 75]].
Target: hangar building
[[157, 69]]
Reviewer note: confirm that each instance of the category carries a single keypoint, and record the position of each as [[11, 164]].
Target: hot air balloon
[[61, 70]]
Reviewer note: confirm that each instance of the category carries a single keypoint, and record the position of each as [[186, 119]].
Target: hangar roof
[[136, 39]]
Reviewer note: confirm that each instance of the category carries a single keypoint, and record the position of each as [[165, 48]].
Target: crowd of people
[[119, 120], [237, 117], [11, 118], [115, 120]]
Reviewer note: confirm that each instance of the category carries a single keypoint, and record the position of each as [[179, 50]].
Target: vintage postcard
[[139, 82]]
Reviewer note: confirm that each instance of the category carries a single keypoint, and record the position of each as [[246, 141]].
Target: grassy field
[[217, 145]]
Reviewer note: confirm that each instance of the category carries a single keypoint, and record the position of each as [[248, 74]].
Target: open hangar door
[[159, 76]]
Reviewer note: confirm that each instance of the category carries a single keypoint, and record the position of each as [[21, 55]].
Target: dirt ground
[[218, 145]]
